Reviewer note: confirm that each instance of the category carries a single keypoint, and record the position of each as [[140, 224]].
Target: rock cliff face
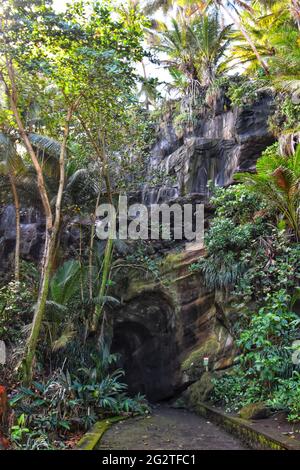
[[32, 227], [165, 329], [32, 233], [222, 142]]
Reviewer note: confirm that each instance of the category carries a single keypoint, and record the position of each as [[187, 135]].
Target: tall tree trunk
[[13, 99], [147, 102], [101, 155], [49, 254], [103, 286], [92, 239], [18, 229], [31, 345], [236, 21], [52, 228]]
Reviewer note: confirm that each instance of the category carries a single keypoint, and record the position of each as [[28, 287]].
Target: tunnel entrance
[[144, 335]]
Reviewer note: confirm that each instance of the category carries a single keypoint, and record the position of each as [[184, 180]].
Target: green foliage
[[265, 371], [278, 181], [286, 115], [16, 301], [273, 29], [220, 271], [236, 203], [287, 396], [64, 284], [273, 265], [229, 390], [245, 92], [195, 47], [258, 262], [266, 343], [232, 231], [142, 258], [19, 430], [68, 402]]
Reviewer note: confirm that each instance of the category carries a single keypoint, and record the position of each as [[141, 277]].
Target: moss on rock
[[209, 347], [255, 411], [200, 391]]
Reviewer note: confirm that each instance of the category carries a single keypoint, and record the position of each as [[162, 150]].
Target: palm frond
[[46, 145], [64, 284]]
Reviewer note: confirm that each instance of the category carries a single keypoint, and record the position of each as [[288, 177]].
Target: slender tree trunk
[[18, 229], [13, 99], [31, 345], [92, 239], [244, 32], [51, 228], [30, 348], [147, 103], [101, 155], [49, 253], [103, 286]]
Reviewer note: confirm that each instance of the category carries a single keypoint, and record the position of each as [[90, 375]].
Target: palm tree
[[200, 6], [278, 181], [177, 42], [228, 6], [211, 43], [276, 36], [194, 47]]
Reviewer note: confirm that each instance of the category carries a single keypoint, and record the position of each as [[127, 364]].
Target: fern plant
[[278, 181]]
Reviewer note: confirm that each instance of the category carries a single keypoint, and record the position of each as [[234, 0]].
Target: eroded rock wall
[[223, 141], [164, 328], [180, 321]]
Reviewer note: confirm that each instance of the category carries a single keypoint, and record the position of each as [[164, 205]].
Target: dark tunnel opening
[[146, 343]]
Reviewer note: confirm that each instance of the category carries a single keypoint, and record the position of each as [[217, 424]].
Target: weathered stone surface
[[32, 234], [200, 390], [32, 228], [163, 329], [255, 411], [221, 143]]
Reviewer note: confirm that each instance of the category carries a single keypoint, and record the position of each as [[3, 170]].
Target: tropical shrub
[[254, 257], [277, 180], [265, 371], [245, 92], [16, 299], [238, 222], [69, 402], [286, 115], [272, 265]]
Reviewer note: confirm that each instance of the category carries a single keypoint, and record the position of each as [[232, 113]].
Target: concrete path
[[168, 429]]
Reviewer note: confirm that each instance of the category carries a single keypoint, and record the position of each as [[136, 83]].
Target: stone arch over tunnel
[[144, 333]]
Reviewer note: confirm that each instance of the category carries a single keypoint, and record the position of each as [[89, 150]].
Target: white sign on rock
[[2, 352]]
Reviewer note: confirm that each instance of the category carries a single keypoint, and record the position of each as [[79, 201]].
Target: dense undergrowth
[[253, 255], [76, 382]]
